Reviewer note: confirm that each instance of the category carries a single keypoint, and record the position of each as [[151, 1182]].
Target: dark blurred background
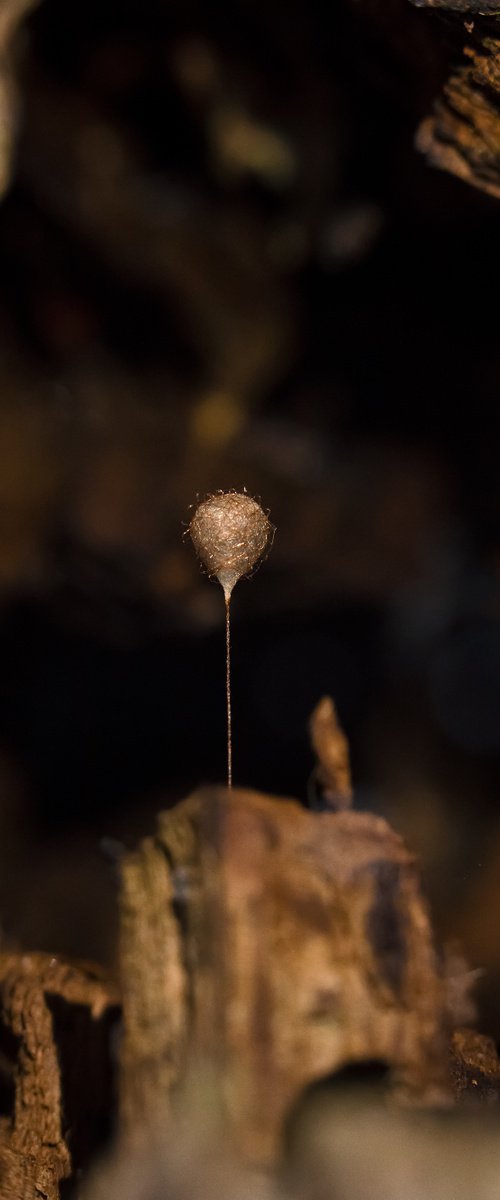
[[223, 264]]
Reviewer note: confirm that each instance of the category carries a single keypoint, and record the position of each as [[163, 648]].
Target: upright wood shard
[[277, 945], [330, 745], [155, 1007]]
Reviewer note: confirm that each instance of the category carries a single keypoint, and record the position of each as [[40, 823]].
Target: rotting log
[[55, 1025], [276, 945], [264, 947]]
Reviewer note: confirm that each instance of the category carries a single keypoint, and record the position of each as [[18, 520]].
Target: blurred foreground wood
[[264, 947], [275, 945]]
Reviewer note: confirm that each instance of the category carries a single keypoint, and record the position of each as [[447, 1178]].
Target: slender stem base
[[228, 696]]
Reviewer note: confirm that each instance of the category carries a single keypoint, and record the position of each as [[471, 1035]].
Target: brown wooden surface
[[462, 134], [55, 1020], [276, 945], [263, 947], [330, 745], [155, 1001], [475, 1068]]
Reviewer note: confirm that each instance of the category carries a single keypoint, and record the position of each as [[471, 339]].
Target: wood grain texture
[[55, 1021], [475, 1068], [462, 134], [295, 942], [155, 1003]]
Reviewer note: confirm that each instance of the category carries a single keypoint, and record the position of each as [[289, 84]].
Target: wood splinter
[[330, 745]]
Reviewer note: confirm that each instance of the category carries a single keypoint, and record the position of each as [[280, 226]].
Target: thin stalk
[[228, 696]]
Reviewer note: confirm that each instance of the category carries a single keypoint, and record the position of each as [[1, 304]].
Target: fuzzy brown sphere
[[230, 533]]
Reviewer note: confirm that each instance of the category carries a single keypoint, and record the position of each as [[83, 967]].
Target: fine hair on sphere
[[230, 533]]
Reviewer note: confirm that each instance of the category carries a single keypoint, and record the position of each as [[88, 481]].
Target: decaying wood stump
[[276, 945], [55, 1021], [264, 947]]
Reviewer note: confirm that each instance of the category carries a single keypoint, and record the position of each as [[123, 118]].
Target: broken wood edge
[[192, 888], [43, 1001], [462, 134]]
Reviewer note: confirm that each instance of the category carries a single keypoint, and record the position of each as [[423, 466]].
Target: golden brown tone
[[230, 533]]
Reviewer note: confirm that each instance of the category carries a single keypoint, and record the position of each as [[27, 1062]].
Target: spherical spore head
[[230, 533]]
